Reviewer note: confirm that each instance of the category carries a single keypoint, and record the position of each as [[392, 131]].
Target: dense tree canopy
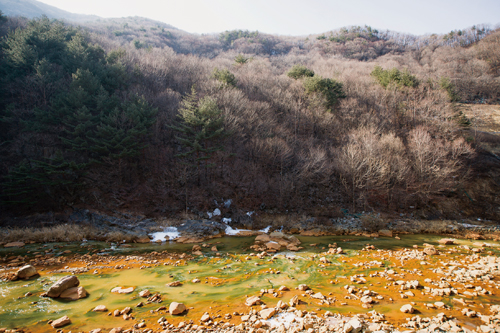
[[104, 117], [68, 96]]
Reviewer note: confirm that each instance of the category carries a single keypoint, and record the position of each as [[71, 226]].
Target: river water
[[227, 278]]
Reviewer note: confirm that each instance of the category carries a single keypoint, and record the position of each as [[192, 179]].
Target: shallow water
[[226, 280]]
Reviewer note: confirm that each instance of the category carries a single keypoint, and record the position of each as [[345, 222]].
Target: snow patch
[[228, 203], [250, 213], [231, 232], [226, 220], [266, 229], [215, 213], [171, 232]]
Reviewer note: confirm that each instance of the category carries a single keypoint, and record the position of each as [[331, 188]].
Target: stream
[[227, 277]]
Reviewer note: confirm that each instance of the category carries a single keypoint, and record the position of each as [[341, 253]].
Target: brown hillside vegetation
[[369, 121]]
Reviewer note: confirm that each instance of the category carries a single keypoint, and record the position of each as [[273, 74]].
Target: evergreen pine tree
[[201, 130]]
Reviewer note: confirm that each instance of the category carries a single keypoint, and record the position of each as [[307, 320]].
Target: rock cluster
[[66, 287], [275, 242]]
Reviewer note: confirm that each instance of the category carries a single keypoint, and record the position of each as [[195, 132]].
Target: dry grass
[[59, 233], [485, 118]]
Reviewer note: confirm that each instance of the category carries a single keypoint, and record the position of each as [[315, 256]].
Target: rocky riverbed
[[405, 283]]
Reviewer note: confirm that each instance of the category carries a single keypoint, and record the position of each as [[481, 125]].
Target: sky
[[297, 17]]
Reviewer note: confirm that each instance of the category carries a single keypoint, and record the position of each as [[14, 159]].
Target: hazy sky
[[297, 17]]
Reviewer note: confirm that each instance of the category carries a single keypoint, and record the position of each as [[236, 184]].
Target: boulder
[[205, 317], [439, 305], [366, 300], [174, 284], [126, 310], [353, 326], [143, 239], [267, 313], [14, 244], [281, 305], [145, 293], [294, 301], [407, 308], [273, 246], [176, 308], [385, 233], [74, 293], [430, 251], [293, 240], [64, 283], [253, 300], [61, 322], [116, 330], [26, 272], [318, 296], [446, 241], [100, 308], [303, 287], [495, 309], [120, 290], [262, 238]]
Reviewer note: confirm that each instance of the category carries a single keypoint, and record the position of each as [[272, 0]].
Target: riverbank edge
[[126, 228]]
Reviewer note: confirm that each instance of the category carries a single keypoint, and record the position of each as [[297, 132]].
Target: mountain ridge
[[33, 8]]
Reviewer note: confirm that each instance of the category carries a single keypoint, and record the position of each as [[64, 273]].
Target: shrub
[[394, 76], [299, 71], [224, 76], [241, 59], [330, 89], [446, 84]]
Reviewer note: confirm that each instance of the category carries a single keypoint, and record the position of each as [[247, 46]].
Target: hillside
[[33, 8], [133, 115]]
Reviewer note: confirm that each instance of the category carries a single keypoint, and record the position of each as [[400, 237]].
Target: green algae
[[225, 279]]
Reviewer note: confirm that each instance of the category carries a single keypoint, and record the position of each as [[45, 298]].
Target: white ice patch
[[228, 203], [266, 230], [171, 232], [250, 213], [226, 220], [215, 213], [231, 232], [285, 318]]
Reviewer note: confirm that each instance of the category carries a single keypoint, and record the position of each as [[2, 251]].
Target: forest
[[133, 115]]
